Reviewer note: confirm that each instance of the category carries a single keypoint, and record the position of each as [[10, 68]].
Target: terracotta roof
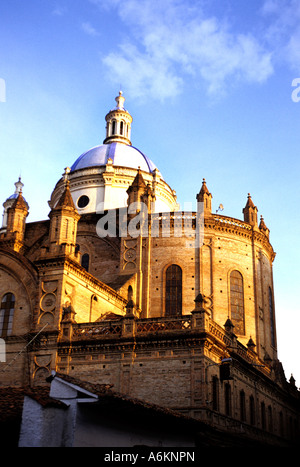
[[97, 389], [12, 399], [41, 395], [11, 403]]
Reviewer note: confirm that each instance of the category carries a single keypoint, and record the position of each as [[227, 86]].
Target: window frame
[[271, 317], [84, 256], [7, 316], [239, 323], [167, 300]]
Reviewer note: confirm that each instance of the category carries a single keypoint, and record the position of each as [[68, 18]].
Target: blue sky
[[209, 86]]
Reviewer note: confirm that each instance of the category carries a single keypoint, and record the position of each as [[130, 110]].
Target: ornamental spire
[[204, 196], [250, 212]]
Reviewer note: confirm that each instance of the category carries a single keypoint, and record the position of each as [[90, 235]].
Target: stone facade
[[177, 308]]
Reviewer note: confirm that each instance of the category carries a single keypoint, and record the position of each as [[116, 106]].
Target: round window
[[83, 201]]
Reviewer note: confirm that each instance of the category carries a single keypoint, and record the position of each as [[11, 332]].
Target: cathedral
[[120, 287]]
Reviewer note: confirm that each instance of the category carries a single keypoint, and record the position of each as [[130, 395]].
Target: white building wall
[[42, 427]]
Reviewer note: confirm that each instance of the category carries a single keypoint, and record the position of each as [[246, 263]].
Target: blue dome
[[14, 196], [121, 154]]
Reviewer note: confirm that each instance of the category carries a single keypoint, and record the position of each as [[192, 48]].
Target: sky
[[214, 90]]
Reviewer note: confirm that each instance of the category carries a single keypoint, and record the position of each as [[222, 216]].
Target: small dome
[[19, 187], [121, 154]]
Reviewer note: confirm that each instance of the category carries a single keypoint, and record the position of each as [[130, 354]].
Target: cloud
[[170, 41], [89, 29], [283, 33], [59, 11], [141, 73]]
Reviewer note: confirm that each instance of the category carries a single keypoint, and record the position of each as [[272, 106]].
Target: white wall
[[42, 427]]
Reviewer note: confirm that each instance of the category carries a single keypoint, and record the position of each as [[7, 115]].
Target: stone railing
[[231, 221], [97, 330], [164, 324], [129, 326]]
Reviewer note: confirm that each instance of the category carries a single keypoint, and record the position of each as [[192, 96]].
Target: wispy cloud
[[89, 29], [59, 11], [171, 40], [283, 34]]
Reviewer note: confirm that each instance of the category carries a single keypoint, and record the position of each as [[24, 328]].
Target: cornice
[[239, 228], [71, 266]]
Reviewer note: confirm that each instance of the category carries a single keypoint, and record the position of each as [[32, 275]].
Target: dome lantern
[[118, 123]]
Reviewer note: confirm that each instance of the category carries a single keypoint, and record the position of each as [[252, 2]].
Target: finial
[[120, 101], [19, 186], [66, 174]]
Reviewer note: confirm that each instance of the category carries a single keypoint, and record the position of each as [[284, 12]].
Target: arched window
[[113, 127], [237, 302], [281, 425], [173, 291], [121, 127], [252, 410], [242, 406], [270, 419], [263, 415], [66, 228], [227, 389], [6, 314], [215, 393], [85, 261], [129, 293], [271, 311], [94, 300]]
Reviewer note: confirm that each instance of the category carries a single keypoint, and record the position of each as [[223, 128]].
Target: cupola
[[16, 211], [118, 123], [10, 201]]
